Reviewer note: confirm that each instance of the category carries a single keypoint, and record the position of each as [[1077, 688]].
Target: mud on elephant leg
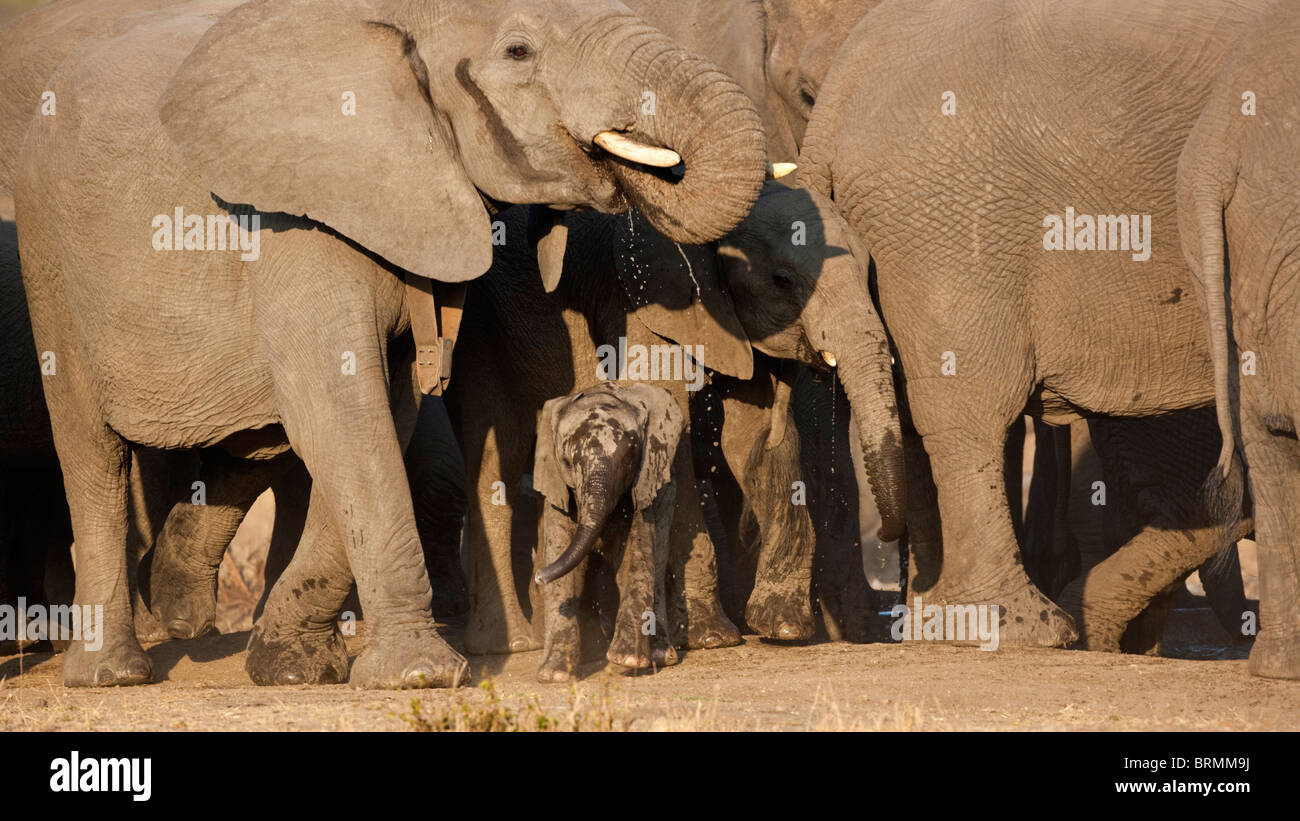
[[561, 603], [188, 554], [780, 605], [296, 639], [641, 578]]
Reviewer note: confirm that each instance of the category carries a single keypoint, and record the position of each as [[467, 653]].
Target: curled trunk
[[702, 114], [597, 499]]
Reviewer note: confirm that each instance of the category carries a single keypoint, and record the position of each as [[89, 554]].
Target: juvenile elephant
[[950, 166], [611, 447], [281, 335], [757, 290], [1239, 215]]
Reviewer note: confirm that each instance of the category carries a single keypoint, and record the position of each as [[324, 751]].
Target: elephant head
[[602, 444], [400, 123], [790, 281]]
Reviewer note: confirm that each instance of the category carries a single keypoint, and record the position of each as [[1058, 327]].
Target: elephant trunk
[[852, 338], [605, 482], [686, 104]]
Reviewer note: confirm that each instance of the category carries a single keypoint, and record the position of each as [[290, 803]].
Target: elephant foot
[[1096, 632], [490, 639], [147, 627], [637, 652], [185, 613], [318, 657], [408, 660], [783, 613], [1276, 654], [118, 665], [559, 665], [707, 627], [1026, 618]]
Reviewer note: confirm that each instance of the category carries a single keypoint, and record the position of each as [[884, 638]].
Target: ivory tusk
[[829, 358], [777, 170], [622, 146]]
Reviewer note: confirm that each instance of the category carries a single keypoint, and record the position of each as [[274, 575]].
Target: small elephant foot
[[637, 652], [707, 627], [302, 658], [409, 660], [147, 626], [559, 665], [185, 614], [1095, 631], [118, 665], [783, 613], [1276, 654]]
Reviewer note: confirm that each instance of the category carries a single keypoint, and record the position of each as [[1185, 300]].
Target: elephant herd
[[505, 303]]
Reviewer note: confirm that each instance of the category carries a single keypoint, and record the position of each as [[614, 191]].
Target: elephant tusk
[[777, 170], [829, 358], [626, 148]]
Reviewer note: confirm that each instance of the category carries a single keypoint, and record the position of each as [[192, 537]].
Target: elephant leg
[[344, 429], [194, 538], [296, 639], [96, 473], [292, 493], [981, 560], [828, 446], [638, 641], [780, 604], [500, 518], [1274, 472], [437, 479], [1050, 557], [696, 618], [924, 553], [1158, 464], [1226, 592], [561, 603]]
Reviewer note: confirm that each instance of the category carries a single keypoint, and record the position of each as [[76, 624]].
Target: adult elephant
[[1238, 183], [756, 290], [289, 345], [950, 167]]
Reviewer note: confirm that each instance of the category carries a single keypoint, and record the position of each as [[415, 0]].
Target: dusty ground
[[756, 686]]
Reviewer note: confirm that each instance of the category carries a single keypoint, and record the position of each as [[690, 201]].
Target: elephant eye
[[518, 51], [783, 278]]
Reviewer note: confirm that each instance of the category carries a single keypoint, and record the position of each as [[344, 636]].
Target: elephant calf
[[613, 446]]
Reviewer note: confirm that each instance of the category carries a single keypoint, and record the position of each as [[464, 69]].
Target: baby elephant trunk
[[606, 481]]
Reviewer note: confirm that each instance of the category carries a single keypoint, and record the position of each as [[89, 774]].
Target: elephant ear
[[675, 291], [314, 108], [663, 430], [547, 479]]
